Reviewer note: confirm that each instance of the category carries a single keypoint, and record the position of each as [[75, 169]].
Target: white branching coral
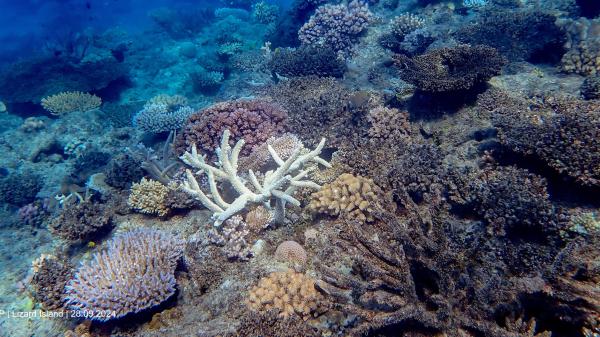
[[278, 185]]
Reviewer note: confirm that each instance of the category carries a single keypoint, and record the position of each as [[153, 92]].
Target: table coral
[[134, 273], [348, 196], [71, 101], [289, 293]]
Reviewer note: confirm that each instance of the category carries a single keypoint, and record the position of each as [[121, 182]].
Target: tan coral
[[149, 197], [288, 292], [388, 123], [71, 101], [348, 196], [259, 218]]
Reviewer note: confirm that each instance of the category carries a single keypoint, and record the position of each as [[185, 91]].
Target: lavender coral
[[336, 26], [134, 273], [254, 120]]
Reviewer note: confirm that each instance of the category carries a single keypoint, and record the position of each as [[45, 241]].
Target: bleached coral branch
[[278, 185]]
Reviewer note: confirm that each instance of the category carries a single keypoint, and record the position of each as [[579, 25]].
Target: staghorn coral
[[336, 26], [85, 221], [277, 186], [253, 120], [71, 101], [149, 197], [232, 237], [453, 69], [50, 275], [561, 132], [305, 61], [289, 293], [349, 197], [163, 113], [292, 252], [135, 272]]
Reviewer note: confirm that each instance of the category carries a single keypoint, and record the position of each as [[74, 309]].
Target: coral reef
[[83, 222], [590, 88], [388, 124], [19, 189], [71, 101], [305, 61], [163, 113], [582, 45], [336, 26], [277, 186], [399, 28], [450, 69], [349, 197], [288, 293], [253, 120], [122, 170], [135, 272], [149, 197]]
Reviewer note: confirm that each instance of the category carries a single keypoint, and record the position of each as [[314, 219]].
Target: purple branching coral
[[336, 26], [134, 273]]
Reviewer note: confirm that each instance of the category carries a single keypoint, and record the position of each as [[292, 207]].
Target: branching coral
[[348, 196], [254, 120], [451, 69], [50, 275], [284, 145], [388, 124], [134, 273], [232, 237], [336, 26], [148, 197], [278, 185], [163, 113], [289, 293], [70, 101]]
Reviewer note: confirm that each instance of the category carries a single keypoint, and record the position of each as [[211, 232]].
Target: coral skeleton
[[279, 184]]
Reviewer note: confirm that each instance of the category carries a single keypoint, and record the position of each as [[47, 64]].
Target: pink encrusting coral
[[134, 273], [336, 26], [253, 120]]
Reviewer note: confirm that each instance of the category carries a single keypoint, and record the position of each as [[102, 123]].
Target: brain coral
[[336, 26], [348, 196], [289, 293], [291, 251], [253, 120], [134, 273], [149, 197]]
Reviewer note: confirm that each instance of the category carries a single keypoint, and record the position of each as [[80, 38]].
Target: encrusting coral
[[71, 101], [279, 184], [348, 196], [148, 197], [134, 273], [289, 293]]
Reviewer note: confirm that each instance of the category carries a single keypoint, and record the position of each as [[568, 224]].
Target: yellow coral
[[148, 197], [71, 101], [348, 196], [289, 293]]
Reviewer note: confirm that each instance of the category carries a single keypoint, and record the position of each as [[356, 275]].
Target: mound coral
[[306, 61], [149, 197], [277, 185], [291, 251], [82, 222], [163, 113], [458, 68], [71, 101], [336, 26], [253, 120], [289, 293], [583, 46], [348, 196], [135, 272]]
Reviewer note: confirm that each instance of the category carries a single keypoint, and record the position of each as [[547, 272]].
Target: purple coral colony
[[365, 168]]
